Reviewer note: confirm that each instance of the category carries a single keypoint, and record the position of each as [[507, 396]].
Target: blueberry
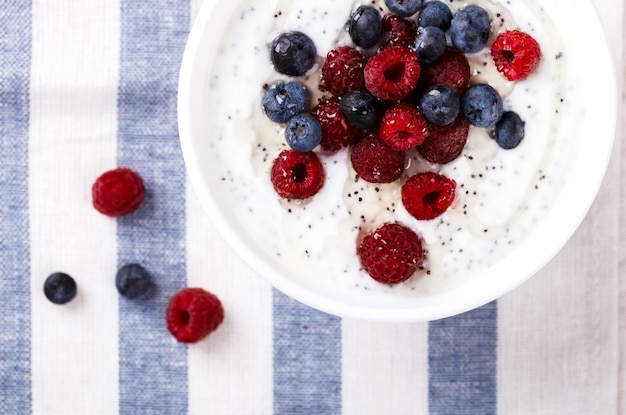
[[360, 109], [283, 100], [59, 288], [440, 105], [430, 44], [293, 53], [509, 130], [365, 26], [303, 132], [470, 29], [481, 105], [404, 8], [132, 280], [435, 13]]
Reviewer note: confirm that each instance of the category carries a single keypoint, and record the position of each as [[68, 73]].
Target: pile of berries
[[404, 84]]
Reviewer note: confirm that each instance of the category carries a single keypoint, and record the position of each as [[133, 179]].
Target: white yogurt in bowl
[[513, 211]]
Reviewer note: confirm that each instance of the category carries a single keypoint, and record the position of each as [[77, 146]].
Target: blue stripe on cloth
[[152, 365], [15, 353], [307, 359], [462, 363]]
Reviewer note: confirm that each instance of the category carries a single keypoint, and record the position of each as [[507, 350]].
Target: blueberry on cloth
[[365, 26], [293, 53], [430, 44], [440, 105], [509, 130], [470, 28], [435, 13], [481, 105], [360, 108], [132, 280], [59, 288], [404, 8], [303, 132], [283, 100]]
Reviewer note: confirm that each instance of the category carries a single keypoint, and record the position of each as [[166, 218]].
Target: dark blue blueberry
[[470, 29], [440, 105], [360, 109], [303, 132], [132, 280], [482, 105], [404, 8], [293, 53], [509, 130], [365, 26], [283, 100], [59, 288], [430, 44], [435, 13]]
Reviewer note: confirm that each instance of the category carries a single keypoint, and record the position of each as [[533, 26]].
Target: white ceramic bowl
[[589, 124]]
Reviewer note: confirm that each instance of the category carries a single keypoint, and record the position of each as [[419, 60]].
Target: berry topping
[[192, 314], [470, 29], [303, 132], [365, 26], [451, 69], [360, 109], [392, 73], [403, 127], [391, 253], [297, 175], [516, 54], [482, 105], [397, 31], [293, 53], [282, 100], [440, 105], [337, 132], [509, 130], [132, 280], [59, 288], [435, 13], [445, 142], [118, 192], [343, 71], [404, 8], [427, 195], [430, 44], [375, 162]]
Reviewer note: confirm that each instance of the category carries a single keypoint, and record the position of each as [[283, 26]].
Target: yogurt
[[501, 194]]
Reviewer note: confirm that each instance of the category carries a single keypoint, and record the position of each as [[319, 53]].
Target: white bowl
[[586, 134]]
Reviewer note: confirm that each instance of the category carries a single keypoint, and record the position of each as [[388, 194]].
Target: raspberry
[[445, 142], [192, 314], [118, 192], [391, 253], [398, 31], [336, 131], [343, 71], [516, 54], [392, 73], [297, 175], [376, 162], [403, 127], [427, 195], [451, 69]]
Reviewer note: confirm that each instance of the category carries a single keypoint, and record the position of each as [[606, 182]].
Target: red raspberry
[[343, 71], [403, 127], [516, 54], [297, 175], [445, 142], [192, 314], [118, 192], [391, 253], [451, 69], [376, 162], [427, 195], [392, 73], [336, 131], [398, 31]]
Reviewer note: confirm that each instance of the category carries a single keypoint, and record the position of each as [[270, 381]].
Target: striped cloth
[[89, 85]]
